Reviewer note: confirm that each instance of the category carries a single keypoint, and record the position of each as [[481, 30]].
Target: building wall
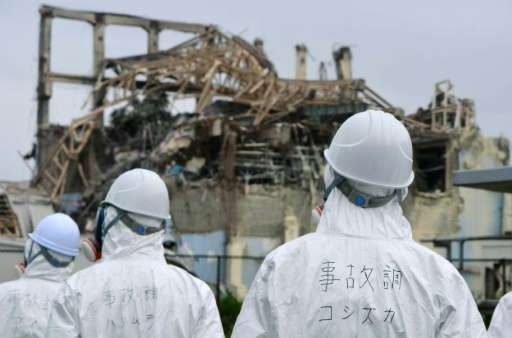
[[208, 243], [481, 216], [433, 214], [465, 212], [483, 211]]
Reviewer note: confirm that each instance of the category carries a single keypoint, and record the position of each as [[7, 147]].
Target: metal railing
[[446, 243]]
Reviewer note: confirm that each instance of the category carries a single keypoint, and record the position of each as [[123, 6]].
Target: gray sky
[[400, 47]]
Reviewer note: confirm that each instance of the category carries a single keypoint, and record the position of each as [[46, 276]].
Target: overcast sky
[[401, 48]]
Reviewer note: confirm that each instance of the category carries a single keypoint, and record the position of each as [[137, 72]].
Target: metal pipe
[[217, 287], [504, 276], [259, 258], [484, 260], [468, 239], [461, 255]]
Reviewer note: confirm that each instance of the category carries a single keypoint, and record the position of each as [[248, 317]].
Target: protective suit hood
[[41, 268], [120, 241], [340, 216]]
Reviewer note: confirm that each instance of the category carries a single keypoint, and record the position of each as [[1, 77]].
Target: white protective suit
[[359, 275], [25, 302], [501, 326], [132, 292]]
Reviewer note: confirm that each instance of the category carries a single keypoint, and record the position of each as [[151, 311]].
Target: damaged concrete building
[[244, 166], [438, 209]]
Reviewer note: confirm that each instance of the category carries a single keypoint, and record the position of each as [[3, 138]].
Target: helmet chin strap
[[358, 197]]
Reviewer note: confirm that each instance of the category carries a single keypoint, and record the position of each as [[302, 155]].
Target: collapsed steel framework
[[249, 124], [210, 65]]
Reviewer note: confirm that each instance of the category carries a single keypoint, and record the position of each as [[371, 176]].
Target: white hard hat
[[142, 192], [372, 147], [58, 232]]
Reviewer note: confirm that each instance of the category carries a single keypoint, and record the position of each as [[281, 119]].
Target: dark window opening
[[430, 168]]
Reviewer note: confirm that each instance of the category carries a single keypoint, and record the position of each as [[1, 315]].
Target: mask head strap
[[356, 196], [54, 261], [338, 179], [139, 229], [48, 256], [101, 231], [27, 259]]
